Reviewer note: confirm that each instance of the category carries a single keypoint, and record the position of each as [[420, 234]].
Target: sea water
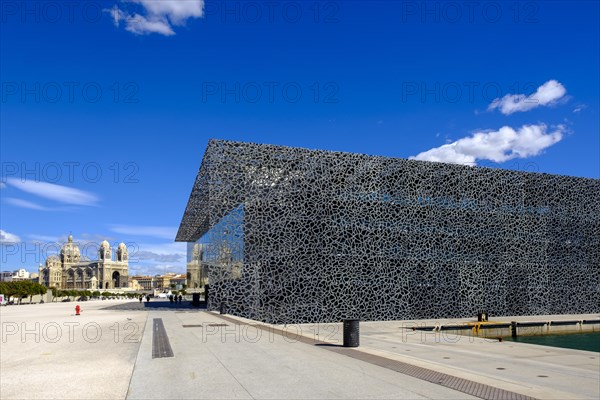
[[579, 341]]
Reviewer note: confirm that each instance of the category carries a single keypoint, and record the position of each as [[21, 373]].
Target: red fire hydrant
[[77, 310]]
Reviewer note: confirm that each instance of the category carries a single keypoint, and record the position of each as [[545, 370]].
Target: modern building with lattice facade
[[71, 270], [295, 235]]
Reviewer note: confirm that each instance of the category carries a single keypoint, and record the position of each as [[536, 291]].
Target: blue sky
[[107, 106]]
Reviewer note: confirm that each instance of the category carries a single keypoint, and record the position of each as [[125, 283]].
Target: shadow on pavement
[[155, 305]]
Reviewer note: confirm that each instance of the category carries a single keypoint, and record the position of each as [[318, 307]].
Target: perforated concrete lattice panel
[[290, 235]]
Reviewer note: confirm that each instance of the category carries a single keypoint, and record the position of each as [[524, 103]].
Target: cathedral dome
[[104, 252], [122, 253], [69, 252], [52, 261]]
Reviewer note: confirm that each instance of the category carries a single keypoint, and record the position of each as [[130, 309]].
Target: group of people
[[174, 298]]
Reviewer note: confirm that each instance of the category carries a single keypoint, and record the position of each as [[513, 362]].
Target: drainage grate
[[161, 347], [462, 385]]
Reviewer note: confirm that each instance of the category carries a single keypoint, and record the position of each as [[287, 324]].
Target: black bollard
[[351, 333]]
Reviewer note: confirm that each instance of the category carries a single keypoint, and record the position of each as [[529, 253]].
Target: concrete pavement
[[215, 359], [107, 353], [532, 370], [46, 352]]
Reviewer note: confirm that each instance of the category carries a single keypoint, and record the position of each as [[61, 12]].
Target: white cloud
[[579, 107], [2, 185], [151, 270], [63, 194], [498, 146], [154, 258], [165, 248], [162, 232], [25, 204], [150, 255], [141, 26], [178, 11], [8, 238], [157, 16], [547, 94]]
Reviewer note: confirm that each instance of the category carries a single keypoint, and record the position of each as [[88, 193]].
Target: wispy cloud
[[579, 108], [63, 194], [547, 94], [84, 238], [36, 238], [157, 257], [162, 232], [2, 185], [156, 16], [498, 146], [25, 204], [150, 255], [8, 238], [158, 269]]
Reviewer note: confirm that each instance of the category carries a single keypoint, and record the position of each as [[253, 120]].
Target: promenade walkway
[[218, 359], [157, 350]]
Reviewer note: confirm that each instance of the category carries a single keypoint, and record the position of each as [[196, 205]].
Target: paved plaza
[[120, 349]]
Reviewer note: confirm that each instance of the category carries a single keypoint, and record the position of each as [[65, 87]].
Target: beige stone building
[[145, 282], [178, 280], [70, 270], [135, 285], [160, 282]]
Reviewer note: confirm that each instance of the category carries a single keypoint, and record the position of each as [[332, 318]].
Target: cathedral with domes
[[71, 270]]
